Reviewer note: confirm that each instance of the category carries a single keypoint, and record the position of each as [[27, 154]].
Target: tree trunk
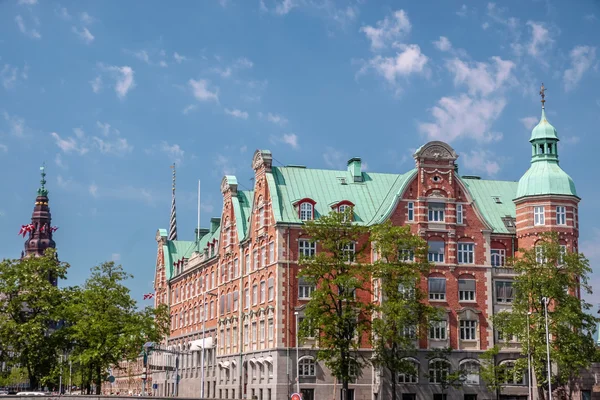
[[33, 381], [344, 389], [98, 378], [393, 372]]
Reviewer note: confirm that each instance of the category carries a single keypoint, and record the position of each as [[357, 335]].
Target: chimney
[[200, 234], [214, 224], [354, 166]]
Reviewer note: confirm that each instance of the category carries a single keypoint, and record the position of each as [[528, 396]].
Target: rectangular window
[[407, 255], [466, 289], [254, 295], [436, 212], [436, 251], [540, 257], [411, 211], [561, 215], [498, 257], [261, 216], [212, 279], [504, 292], [227, 339], [305, 289], [229, 301], [254, 335], [466, 253], [222, 305], [271, 252], [306, 248], [255, 260], [236, 268], [306, 367], [263, 289], [235, 301], [349, 250], [538, 215], [467, 330], [247, 264], [437, 288], [271, 330], [263, 258], [246, 298], [271, 288], [459, 213], [246, 335], [437, 330], [563, 252], [262, 331]]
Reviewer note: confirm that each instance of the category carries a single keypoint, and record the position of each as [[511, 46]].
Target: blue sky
[[110, 93]]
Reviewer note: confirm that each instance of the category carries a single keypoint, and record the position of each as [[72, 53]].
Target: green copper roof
[[372, 197], [494, 200], [175, 250], [545, 177], [543, 130], [242, 205]]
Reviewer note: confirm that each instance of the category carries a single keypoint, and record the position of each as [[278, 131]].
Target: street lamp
[[529, 374], [545, 300], [204, 312], [297, 358]]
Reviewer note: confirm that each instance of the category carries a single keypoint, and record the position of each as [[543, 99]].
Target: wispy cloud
[[529, 122], [481, 161], [334, 158], [110, 141], [201, 91], [69, 145], [93, 189], [124, 79], [290, 139], [541, 39], [224, 165], [59, 161], [462, 12], [482, 78], [173, 151], [179, 58], [3, 148], [63, 13], [408, 61], [10, 75], [236, 113], [84, 34], [582, 58], [443, 44], [189, 108], [27, 2], [276, 119], [390, 29], [16, 125], [96, 84], [32, 33], [590, 17]]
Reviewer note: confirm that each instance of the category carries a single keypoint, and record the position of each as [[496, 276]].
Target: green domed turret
[[545, 175]]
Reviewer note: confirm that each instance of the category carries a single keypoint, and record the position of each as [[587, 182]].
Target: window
[[254, 295], [246, 334], [436, 251], [586, 395], [349, 250], [411, 211], [407, 291], [436, 212], [262, 331], [235, 301], [466, 253], [254, 334], [246, 298], [309, 394], [263, 289], [438, 371], [504, 292], [271, 330], [538, 215], [306, 367], [255, 259], [271, 252], [468, 330], [271, 289], [342, 209], [261, 217], [406, 255], [306, 248], [459, 214], [410, 377], [498, 257], [437, 330], [309, 328], [563, 252], [306, 211], [466, 289], [247, 262], [512, 376], [222, 305], [229, 301], [236, 268], [305, 289], [540, 257], [561, 215], [263, 258], [437, 288]]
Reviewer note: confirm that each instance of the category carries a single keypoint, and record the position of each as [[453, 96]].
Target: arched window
[[306, 366], [471, 371], [412, 373], [511, 375], [438, 370], [306, 211]]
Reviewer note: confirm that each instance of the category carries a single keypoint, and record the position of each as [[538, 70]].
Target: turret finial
[[42, 191], [173, 222], [543, 94]]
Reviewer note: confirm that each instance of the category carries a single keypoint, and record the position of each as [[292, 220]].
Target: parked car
[[31, 394], [3, 393]]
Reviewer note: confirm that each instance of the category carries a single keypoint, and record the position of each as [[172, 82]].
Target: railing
[[503, 271]]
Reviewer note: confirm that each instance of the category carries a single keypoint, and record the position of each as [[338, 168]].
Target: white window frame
[[436, 212], [538, 216], [471, 370], [307, 248], [466, 253], [246, 298], [438, 370], [263, 291], [468, 330], [436, 256], [271, 329], [306, 367], [255, 294], [410, 378], [271, 252], [306, 211], [438, 330], [305, 290], [270, 289], [540, 257], [459, 213], [563, 252], [436, 296], [411, 211], [466, 295], [561, 215], [499, 255], [350, 251], [501, 292]]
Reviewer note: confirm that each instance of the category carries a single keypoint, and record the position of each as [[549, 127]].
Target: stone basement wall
[[100, 398]]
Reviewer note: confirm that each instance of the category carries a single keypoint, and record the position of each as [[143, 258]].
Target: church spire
[[173, 223]]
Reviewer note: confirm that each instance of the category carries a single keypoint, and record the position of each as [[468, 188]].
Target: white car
[[31, 394]]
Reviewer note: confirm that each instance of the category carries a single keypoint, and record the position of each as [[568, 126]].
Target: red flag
[[148, 296]]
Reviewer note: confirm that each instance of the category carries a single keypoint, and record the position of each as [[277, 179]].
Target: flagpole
[[198, 231]]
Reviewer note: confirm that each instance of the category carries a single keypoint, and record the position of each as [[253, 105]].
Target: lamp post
[[529, 373], [545, 300], [203, 339], [297, 358]]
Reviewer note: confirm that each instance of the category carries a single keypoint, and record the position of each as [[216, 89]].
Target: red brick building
[[235, 292]]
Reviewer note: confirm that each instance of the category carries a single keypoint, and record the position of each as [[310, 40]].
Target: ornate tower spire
[[173, 223], [40, 229]]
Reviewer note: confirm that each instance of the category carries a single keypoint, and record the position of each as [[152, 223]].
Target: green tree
[[340, 307], [548, 271], [106, 324], [30, 310], [401, 314], [443, 372]]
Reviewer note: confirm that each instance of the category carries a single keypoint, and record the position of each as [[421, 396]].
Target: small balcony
[[503, 271]]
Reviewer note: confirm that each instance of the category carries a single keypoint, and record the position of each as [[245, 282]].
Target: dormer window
[[343, 206], [306, 211]]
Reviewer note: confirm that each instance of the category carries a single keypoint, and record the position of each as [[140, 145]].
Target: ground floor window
[[409, 396], [470, 397], [439, 396], [350, 395], [307, 394]]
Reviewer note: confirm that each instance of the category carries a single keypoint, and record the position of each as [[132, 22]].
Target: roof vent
[[497, 199], [471, 177], [343, 181], [354, 167], [296, 166], [214, 224], [203, 232]]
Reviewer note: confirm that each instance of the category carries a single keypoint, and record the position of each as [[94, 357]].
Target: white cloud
[[276, 119], [117, 147], [81, 144], [243, 62], [189, 108], [243, 149], [202, 92], [496, 14], [571, 139], [582, 58], [27, 2], [3, 147], [236, 113], [32, 33], [540, 39], [104, 129], [124, 79], [93, 189], [482, 78], [529, 122], [481, 161], [64, 183], [84, 34], [443, 44], [291, 139], [464, 117], [409, 61], [86, 18], [284, 7], [174, 151], [16, 125], [485, 25], [116, 257], [59, 161], [334, 158], [142, 55], [590, 17], [69, 145], [63, 13], [463, 11], [387, 30], [96, 84], [179, 58], [224, 165]]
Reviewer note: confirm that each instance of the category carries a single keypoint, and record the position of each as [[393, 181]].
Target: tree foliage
[[547, 271], [340, 307], [446, 377], [401, 315]]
